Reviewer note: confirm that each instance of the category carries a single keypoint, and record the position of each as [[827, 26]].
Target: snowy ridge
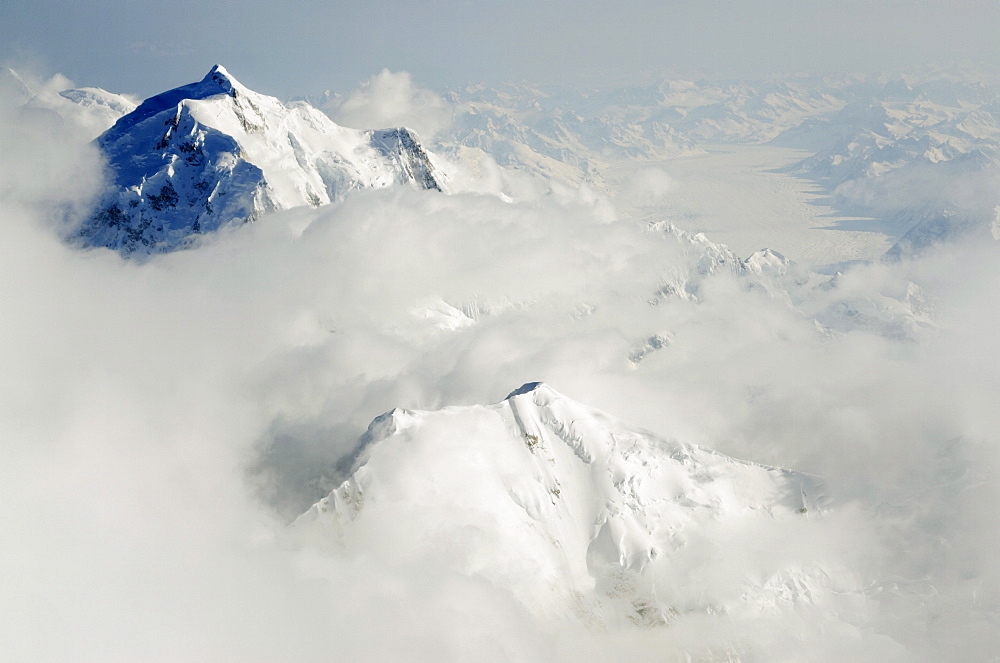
[[920, 154], [901, 311], [111, 106], [576, 512], [214, 153], [570, 135], [926, 156], [88, 111]]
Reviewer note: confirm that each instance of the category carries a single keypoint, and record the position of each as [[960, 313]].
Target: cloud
[[390, 99], [646, 188], [163, 421]]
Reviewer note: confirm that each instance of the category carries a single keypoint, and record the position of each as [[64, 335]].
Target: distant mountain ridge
[[215, 153], [926, 156], [919, 154]]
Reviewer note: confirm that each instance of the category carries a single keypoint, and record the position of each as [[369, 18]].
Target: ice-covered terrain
[[532, 128], [880, 159], [579, 515], [924, 155], [214, 154], [742, 196], [824, 170]]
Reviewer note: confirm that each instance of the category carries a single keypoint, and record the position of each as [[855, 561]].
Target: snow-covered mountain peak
[[527, 388], [221, 77], [577, 512], [215, 153], [766, 261], [218, 81]]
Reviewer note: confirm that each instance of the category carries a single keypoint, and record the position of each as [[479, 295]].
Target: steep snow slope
[[581, 516], [214, 153]]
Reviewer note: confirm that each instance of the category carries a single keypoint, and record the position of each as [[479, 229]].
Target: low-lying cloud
[[391, 99], [162, 422]]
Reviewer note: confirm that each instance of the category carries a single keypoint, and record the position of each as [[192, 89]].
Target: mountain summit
[[215, 153], [577, 513]]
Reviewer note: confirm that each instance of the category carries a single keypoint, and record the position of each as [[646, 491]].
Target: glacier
[[918, 153]]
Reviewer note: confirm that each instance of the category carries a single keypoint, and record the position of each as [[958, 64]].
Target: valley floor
[[739, 196]]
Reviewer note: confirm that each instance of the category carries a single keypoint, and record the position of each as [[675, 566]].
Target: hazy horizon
[[151, 48]]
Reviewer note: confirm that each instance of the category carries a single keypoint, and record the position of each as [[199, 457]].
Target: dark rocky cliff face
[[401, 144]]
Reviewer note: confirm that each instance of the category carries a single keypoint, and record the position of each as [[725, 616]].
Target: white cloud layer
[[162, 421], [390, 99]]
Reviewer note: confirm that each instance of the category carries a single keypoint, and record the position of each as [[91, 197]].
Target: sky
[[305, 47]]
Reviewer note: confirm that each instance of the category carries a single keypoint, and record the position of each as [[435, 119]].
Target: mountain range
[[922, 153], [919, 152], [545, 509]]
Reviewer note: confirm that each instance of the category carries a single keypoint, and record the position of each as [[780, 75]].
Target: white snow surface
[[214, 153], [744, 197], [578, 514], [922, 155]]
